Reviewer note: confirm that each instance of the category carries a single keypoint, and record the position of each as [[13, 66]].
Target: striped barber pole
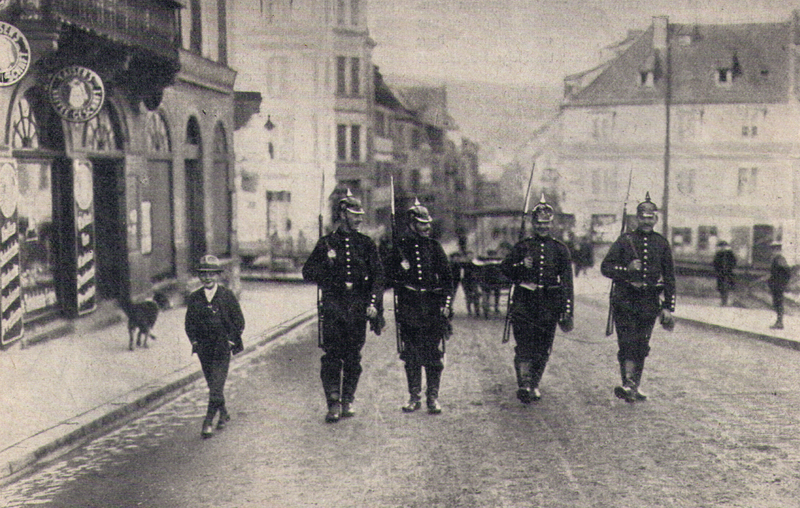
[[10, 283]]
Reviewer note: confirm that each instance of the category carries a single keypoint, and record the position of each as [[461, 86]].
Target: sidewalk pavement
[[54, 393], [707, 313]]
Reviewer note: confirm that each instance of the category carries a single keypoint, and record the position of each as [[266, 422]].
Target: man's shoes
[[536, 394], [208, 430], [524, 395], [223, 419], [347, 410], [433, 407], [625, 392], [412, 405], [639, 396], [334, 412]]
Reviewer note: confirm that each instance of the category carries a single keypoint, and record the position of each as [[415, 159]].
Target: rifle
[[320, 316], [507, 324], [610, 319], [393, 226]]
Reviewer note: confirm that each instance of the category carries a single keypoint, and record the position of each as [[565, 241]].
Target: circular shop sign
[[15, 54], [9, 195], [77, 93]]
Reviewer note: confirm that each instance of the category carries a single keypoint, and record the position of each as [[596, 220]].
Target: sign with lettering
[[77, 93], [15, 53], [10, 281]]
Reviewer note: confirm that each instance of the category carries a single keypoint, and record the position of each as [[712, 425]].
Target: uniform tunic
[[636, 299], [542, 297], [346, 267], [214, 326], [423, 282]]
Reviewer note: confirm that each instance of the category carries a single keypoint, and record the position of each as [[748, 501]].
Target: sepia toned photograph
[[420, 253]]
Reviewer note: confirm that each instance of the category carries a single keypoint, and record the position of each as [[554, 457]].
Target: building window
[[646, 79], [602, 125], [681, 238], [685, 181], [341, 76], [416, 139], [341, 142], [157, 134], [355, 81], [355, 142], [354, 12], [249, 181], [706, 237], [196, 30], [380, 129], [348, 78], [748, 181], [340, 11]]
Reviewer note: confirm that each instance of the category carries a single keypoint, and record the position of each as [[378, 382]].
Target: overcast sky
[[529, 42]]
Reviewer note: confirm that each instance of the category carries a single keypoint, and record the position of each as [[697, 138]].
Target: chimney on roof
[[660, 32]]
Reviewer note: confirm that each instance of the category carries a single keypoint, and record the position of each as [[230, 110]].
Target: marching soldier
[[423, 282], [541, 270], [640, 263], [346, 267]]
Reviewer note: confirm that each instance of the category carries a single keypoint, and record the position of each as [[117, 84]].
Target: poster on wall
[[10, 283], [85, 282]]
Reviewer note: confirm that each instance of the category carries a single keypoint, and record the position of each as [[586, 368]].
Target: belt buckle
[[348, 285]]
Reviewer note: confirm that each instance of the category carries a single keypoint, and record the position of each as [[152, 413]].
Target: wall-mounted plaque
[[77, 93]]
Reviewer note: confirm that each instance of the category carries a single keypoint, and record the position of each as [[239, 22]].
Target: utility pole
[[667, 147]]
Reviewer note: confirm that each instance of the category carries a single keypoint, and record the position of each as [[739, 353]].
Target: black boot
[[331, 376], [208, 422], [414, 378], [224, 417], [626, 391], [523, 370], [350, 377], [637, 381], [433, 374]]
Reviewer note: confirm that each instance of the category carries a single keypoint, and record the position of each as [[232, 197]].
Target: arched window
[[157, 198], [158, 140]]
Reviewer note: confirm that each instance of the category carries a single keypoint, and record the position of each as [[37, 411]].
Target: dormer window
[[647, 79], [649, 71], [729, 71]]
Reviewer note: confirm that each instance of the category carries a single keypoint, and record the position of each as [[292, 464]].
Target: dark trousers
[[215, 364], [633, 332], [777, 301], [422, 347], [340, 367]]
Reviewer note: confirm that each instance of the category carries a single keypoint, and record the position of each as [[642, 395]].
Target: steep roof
[[758, 55]]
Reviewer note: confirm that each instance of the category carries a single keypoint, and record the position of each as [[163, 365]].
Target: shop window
[[706, 238], [681, 239]]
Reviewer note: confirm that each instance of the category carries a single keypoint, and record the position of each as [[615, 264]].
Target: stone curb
[[777, 341], [28, 452]]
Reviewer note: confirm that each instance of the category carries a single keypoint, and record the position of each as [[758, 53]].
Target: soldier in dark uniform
[[214, 324], [423, 282], [640, 264], [346, 267], [541, 270]]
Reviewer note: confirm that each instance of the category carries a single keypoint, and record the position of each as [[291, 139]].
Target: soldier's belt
[[424, 290], [537, 287]]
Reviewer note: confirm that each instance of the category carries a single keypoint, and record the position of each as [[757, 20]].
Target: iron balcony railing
[[152, 24]]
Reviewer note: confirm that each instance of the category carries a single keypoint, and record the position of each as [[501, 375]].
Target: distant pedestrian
[[640, 264], [346, 267], [724, 263], [541, 269], [779, 274], [423, 282], [584, 255], [214, 324]]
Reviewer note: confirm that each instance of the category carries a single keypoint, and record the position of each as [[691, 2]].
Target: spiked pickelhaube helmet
[[350, 203], [646, 208], [542, 213], [418, 212]]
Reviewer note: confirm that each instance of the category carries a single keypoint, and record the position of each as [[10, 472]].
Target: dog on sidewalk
[[142, 317]]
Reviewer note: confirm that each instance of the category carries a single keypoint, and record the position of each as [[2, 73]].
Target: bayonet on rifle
[[507, 324], [610, 319]]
